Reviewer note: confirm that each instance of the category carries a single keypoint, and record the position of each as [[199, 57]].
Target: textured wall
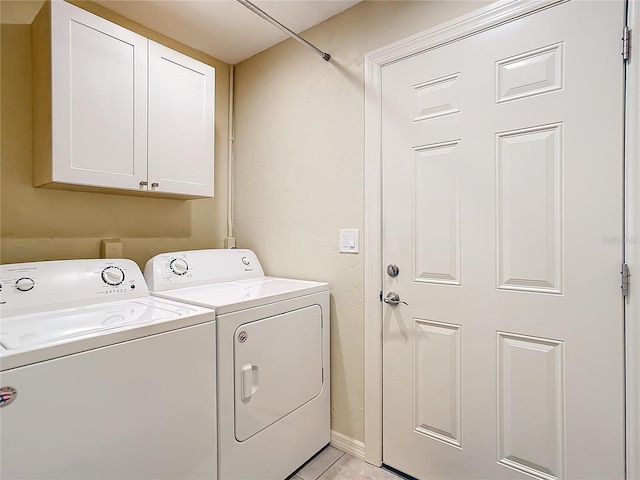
[[299, 171], [300, 167], [44, 224]]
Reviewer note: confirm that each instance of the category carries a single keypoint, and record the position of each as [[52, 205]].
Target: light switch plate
[[349, 241]]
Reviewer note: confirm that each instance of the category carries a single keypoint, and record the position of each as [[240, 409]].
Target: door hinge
[[626, 44], [625, 280]]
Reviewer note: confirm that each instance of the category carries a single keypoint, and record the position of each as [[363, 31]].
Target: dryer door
[[278, 368]]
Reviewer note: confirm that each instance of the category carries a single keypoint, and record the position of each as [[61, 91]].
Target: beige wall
[[300, 162], [44, 224], [299, 171]]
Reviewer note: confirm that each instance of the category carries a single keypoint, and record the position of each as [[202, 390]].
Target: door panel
[[437, 213], [502, 178], [531, 407], [278, 365], [529, 209]]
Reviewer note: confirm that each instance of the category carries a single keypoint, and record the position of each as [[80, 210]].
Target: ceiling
[[225, 29]]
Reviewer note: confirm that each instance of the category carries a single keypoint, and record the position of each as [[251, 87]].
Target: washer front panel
[[138, 409]]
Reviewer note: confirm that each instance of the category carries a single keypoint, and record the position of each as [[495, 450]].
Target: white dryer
[[273, 357], [98, 380]]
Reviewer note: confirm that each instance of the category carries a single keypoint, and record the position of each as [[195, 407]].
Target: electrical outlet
[[111, 248], [230, 242]]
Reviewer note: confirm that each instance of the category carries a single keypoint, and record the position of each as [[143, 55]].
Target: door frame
[[472, 23], [632, 250]]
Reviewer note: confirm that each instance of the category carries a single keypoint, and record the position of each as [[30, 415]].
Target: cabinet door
[[181, 111], [99, 100]]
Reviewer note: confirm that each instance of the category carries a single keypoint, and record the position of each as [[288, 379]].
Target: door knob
[[393, 299]]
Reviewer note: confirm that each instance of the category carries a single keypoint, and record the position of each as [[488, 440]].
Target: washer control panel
[[40, 286], [200, 267]]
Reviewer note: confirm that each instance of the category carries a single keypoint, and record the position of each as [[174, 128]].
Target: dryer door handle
[[249, 381]]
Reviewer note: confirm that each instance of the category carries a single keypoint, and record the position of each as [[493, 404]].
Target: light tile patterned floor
[[333, 464]]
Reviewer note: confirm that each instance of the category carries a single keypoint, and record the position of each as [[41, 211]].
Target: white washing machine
[[273, 357], [98, 380]]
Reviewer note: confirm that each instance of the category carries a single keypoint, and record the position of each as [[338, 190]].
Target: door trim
[[462, 27]]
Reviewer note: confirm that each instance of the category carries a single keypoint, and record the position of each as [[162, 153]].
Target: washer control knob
[[25, 284], [179, 266], [113, 275], [245, 260]]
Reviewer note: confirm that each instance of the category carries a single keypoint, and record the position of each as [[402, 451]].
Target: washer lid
[[232, 296], [32, 330], [35, 337]]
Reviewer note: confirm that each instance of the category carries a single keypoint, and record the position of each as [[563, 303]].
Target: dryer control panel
[[168, 271], [41, 286]]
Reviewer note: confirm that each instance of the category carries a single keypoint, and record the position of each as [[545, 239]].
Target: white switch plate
[[349, 240]]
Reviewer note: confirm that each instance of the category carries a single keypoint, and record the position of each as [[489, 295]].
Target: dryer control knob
[[112, 275], [246, 261], [25, 284], [179, 266]]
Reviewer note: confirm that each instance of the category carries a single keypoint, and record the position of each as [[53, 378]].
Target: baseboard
[[348, 445]]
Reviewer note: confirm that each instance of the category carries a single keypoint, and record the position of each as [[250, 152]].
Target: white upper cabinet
[[98, 101], [180, 122], [113, 110]]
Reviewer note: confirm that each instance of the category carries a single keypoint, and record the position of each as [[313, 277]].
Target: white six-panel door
[[502, 167]]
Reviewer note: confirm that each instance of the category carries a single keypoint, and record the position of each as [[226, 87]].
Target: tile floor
[[333, 464]]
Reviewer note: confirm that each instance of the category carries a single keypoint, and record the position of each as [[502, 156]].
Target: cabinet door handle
[[143, 184], [155, 185]]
